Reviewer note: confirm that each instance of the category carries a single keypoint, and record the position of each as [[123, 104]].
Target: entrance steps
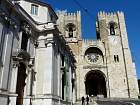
[[93, 101], [90, 103]]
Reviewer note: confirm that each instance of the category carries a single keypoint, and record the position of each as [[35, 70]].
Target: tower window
[[34, 9], [116, 58], [70, 32], [98, 35], [70, 28], [112, 29]]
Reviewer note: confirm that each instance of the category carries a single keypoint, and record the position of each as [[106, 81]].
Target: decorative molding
[[31, 63], [7, 18], [26, 28], [94, 67], [15, 64], [21, 55], [48, 41]]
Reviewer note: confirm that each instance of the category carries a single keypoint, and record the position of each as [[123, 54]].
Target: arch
[[95, 83], [93, 49], [70, 25], [93, 71], [114, 23]]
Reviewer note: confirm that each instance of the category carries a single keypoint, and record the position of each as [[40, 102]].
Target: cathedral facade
[[104, 66]]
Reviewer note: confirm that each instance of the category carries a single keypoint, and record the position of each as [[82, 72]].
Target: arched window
[[70, 32], [70, 28], [112, 28]]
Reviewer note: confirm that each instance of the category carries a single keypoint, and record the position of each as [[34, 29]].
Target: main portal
[[95, 83]]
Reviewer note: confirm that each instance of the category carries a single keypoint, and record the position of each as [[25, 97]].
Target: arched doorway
[[20, 83], [95, 83]]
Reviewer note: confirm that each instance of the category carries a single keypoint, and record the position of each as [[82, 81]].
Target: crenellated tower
[[111, 30], [70, 25], [104, 66]]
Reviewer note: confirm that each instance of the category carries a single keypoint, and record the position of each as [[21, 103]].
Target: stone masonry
[[115, 60]]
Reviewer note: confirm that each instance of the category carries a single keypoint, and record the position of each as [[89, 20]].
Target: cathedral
[[104, 66], [45, 61]]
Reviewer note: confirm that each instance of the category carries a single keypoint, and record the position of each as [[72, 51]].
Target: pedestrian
[[87, 99], [83, 100]]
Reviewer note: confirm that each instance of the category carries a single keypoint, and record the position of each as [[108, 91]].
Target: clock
[[92, 57]]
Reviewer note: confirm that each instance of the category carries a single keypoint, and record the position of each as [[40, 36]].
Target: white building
[[36, 64]]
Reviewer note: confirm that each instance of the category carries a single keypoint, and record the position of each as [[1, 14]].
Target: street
[[118, 102]]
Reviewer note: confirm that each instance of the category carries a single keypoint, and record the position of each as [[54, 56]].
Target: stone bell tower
[[69, 25], [111, 30]]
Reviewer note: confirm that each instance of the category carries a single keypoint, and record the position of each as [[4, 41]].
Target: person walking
[[83, 100], [87, 99]]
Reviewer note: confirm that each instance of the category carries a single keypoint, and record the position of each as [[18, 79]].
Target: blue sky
[[131, 9]]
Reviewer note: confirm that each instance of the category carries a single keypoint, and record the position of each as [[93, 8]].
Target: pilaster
[[14, 77], [44, 64]]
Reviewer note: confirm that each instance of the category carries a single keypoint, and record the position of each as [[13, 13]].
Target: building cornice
[[25, 17], [43, 4]]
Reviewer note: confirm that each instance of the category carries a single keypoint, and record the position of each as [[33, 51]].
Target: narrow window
[[116, 58], [62, 60], [3, 32], [51, 18], [63, 86], [70, 32], [2, 39], [73, 85], [24, 41], [34, 9], [112, 29], [63, 77], [98, 35]]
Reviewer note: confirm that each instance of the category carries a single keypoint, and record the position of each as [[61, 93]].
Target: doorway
[[95, 84], [20, 83]]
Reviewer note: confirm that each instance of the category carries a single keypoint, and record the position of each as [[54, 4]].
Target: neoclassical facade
[[37, 66], [104, 66]]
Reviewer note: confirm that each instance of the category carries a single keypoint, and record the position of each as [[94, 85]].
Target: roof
[[24, 15], [43, 4]]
